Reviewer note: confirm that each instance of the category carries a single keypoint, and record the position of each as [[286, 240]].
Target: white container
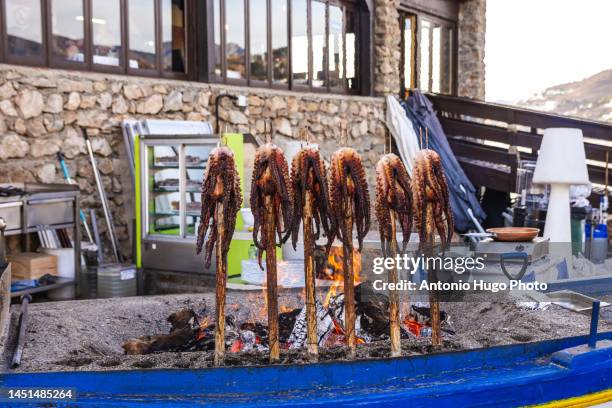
[[290, 274], [65, 269]]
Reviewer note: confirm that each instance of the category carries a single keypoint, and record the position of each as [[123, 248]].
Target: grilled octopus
[[393, 193], [308, 173], [220, 186], [271, 178], [431, 203], [348, 187]]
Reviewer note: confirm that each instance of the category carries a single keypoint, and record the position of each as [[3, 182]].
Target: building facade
[[325, 65]]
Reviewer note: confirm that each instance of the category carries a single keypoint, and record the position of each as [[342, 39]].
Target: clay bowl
[[514, 234]]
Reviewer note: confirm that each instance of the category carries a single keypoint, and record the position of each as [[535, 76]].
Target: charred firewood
[[372, 308], [350, 204], [221, 200], [184, 324], [393, 202], [433, 213], [310, 208], [271, 203]]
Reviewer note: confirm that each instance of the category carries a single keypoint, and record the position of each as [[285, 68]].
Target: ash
[[88, 335]]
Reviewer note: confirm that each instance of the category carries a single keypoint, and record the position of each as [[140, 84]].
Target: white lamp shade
[[561, 159]]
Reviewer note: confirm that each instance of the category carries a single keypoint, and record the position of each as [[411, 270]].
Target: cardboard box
[[32, 265]]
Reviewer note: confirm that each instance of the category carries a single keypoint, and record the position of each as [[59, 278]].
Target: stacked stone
[[387, 35], [472, 29], [42, 111]]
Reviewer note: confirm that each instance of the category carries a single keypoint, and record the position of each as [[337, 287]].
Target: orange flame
[[335, 271], [204, 323]]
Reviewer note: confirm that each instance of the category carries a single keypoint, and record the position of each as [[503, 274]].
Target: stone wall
[[387, 48], [472, 29], [43, 110]]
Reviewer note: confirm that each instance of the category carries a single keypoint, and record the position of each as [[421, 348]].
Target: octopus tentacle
[[431, 204], [271, 178], [220, 186], [348, 186], [393, 192], [308, 173]]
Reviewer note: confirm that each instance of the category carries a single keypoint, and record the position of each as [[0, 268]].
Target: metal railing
[[490, 139]]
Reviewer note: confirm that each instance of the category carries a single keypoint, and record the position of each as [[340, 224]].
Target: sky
[[534, 44]]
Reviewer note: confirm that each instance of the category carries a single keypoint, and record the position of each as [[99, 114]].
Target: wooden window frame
[[418, 17], [412, 58], [268, 83], [273, 85], [38, 61], [47, 59], [61, 63], [247, 54], [110, 69]]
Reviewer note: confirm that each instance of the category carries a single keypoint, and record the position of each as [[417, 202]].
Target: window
[[235, 53], [352, 50], [320, 52], [336, 47], [259, 40], [318, 26], [427, 54], [408, 40], [306, 45], [124, 36], [280, 42], [24, 34], [67, 31], [299, 42], [174, 40], [142, 53], [106, 31]]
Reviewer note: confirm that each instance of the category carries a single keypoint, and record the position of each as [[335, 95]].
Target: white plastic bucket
[[65, 269]]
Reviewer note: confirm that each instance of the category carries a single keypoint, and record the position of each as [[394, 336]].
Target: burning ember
[[191, 331]]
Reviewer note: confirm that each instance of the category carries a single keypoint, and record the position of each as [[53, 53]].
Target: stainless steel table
[[43, 207]]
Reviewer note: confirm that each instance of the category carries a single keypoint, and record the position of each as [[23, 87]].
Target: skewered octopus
[[431, 203], [220, 186], [348, 186], [393, 192], [271, 178], [308, 173]]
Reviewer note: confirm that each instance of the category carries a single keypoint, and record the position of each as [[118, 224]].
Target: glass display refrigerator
[[170, 172]]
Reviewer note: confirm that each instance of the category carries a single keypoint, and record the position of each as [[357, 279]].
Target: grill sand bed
[[87, 335]]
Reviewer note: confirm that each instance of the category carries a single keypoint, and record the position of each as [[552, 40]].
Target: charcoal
[[325, 326], [286, 322]]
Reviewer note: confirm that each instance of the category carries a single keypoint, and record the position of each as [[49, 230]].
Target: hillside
[[590, 98]]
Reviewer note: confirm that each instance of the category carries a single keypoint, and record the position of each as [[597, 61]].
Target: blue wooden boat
[[513, 375]]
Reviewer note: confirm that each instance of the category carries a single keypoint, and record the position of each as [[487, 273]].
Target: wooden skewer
[[221, 280], [436, 335], [434, 304], [394, 315], [309, 263], [420, 137], [271, 278], [349, 285]]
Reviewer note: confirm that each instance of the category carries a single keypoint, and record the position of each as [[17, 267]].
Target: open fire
[[191, 331], [337, 206]]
